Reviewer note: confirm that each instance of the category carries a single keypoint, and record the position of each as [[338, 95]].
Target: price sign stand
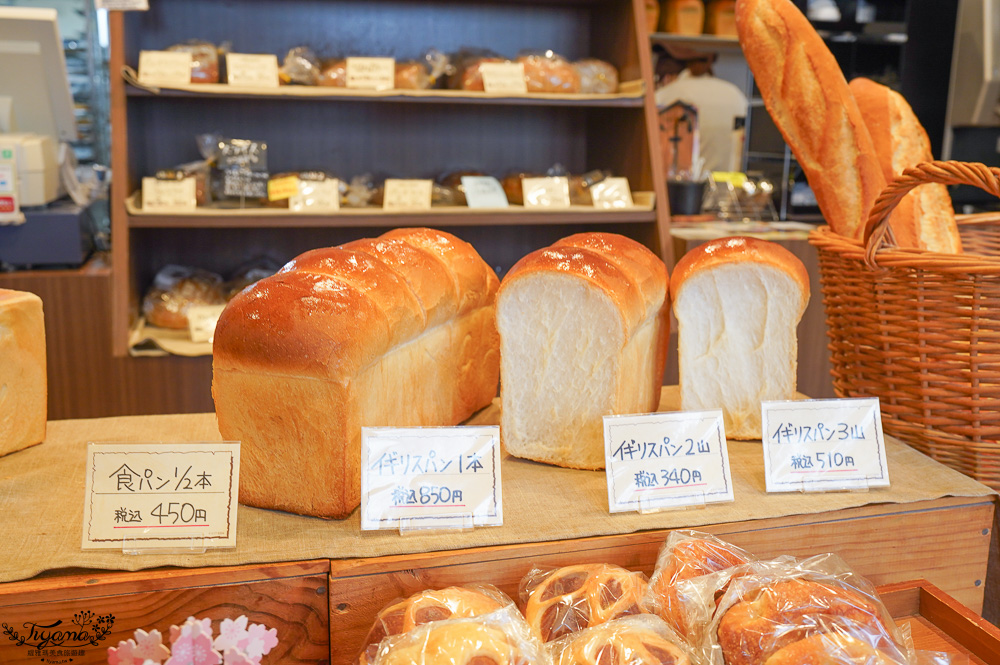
[[834, 445], [420, 479]]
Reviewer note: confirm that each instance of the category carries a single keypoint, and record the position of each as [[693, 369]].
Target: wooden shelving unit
[[402, 135]]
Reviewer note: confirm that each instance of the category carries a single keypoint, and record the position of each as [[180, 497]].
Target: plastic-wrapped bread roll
[[583, 327], [549, 72], [925, 218], [23, 382], [737, 302], [633, 640], [808, 98], [393, 331]]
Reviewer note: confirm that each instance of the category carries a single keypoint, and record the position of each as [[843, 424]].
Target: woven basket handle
[[877, 230]]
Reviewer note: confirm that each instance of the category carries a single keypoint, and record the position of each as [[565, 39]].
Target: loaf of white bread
[[925, 217], [583, 332], [808, 98], [393, 331], [23, 383], [738, 302]]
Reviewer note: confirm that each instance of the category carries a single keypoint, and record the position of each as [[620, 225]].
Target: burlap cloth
[[41, 500]]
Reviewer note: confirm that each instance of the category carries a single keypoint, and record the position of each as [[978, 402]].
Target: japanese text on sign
[[817, 445], [430, 474], [158, 488], [665, 460], [371, 73]]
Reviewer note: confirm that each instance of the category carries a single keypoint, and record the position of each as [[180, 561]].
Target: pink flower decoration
[[124, 654], [193, 650], [234, 656], [149, 647], [192, 627], [231, 633], [259, 641]]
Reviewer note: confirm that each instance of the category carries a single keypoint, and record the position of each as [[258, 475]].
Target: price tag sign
[[123, 5], [504, 78], [823, 445], [164, 68], [371, 73], [430, 477], [279, 189], [160, 196], [160, 493], [483, 191], [316, 196], [252, 70], [549, 192], [202, 320], [611, 193], [407, 194], [666, 460]]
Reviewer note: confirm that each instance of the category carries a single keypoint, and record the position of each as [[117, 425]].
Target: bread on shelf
[[393, 331]]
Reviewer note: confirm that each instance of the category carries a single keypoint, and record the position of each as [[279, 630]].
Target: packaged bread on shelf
[[545, 71], [204, 60], [565, 600], [23, 381], [402, 616], [391, 331], [634, 640], [583, 327], [808, 98], [738, 302], [175, 290], [925, 218], [597, 77]]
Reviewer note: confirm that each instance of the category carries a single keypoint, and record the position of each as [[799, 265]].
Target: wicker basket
[[921, 330]]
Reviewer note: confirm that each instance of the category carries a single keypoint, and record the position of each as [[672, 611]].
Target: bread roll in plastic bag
[[687, 555], [562, 601], [300, 67], [546, 71], [597, 77], [466, 72], [177, 288], [643, 639], [501, 638], [204, 60], [405, 614]]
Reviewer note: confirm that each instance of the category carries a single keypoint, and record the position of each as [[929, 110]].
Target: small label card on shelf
[[823, 445], [122, 5], [157, 495], [316, 196], [279, 189], [251, 70], [430, 477], [164, 68], [548, 192], [371, 73], [165, 196], [660, 461], [504, 78], [611, 193], [401, 195], [202, 320], [484, 191]]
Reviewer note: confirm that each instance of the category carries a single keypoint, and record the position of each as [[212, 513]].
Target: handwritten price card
[[430, 477], [166, 68], [822, 445], [611, 193], [504, 78], [407, 194], [168, 195], [371, 73], [483, 191], [159, 494], [549, 192], [316, 196], [666, 460], [250, 70]]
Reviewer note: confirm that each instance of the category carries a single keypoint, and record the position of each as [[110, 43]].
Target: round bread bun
[[455, 643], [831, 649], [577, 597], [620, 643]]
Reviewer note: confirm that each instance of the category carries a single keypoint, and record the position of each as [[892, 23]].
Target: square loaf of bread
[[583, 332], [393, 331], [738, 302], [23, 383]]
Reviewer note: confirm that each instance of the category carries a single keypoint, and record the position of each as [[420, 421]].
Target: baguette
[[393, 331], [809, 100], [925, 218]]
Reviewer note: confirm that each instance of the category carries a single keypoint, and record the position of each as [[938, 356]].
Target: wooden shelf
[[706, 43]]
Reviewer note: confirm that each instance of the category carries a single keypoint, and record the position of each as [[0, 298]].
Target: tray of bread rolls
[[707, 602], [906, 282]]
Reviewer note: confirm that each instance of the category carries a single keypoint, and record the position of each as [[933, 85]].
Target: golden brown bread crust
[[774, 617], [809, 100], [739, 249], [925, 218], [831, 649], [457, 643], [394, 331], [23, 380], [620, 643], [576, 597]]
